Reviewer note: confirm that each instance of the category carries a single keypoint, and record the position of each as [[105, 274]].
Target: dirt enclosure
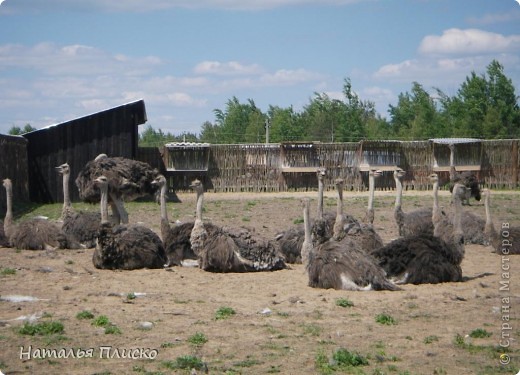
[[161, 321]]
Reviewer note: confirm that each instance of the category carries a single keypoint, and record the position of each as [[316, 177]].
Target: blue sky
[[62, 59]]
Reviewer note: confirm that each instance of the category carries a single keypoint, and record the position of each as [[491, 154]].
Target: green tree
[[16, 130]]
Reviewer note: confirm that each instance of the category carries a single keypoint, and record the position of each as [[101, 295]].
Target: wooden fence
[[13, 165], [282, 167]]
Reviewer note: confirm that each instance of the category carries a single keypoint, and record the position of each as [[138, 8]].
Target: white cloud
[[227, 68], [467, 42], [495, 18]]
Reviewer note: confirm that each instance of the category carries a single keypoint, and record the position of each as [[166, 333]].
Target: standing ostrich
[[33, 234], [425, 258], [224, 249], [346, 226], [176, 238], [83, 226], [508, 240], [413, 222], [125, 247], [341, 264], [127, 180]]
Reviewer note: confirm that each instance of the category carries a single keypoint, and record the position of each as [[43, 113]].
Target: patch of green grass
[[42, 329], [198, 339], [248, 362], [298, 220], [430, 339], [101, 321], [479, 333], [69, 262], [185, 362], [167, 345], [85, 314], [344, 302], [224, 312], [342, 360], [112, 330], [246, 218], [7, 271], [130, 296], [312, 329], [385, 319]]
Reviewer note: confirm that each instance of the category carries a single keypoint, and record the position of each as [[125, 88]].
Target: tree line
[[484, 106]]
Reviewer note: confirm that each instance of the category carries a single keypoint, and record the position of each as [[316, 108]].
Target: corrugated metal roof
[[186, 145], [448, 141]]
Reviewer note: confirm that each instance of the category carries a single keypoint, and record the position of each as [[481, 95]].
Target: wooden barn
[[113, 132], [13, 156]]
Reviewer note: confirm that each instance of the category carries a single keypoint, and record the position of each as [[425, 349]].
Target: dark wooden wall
[[113, 132], [13, 165]]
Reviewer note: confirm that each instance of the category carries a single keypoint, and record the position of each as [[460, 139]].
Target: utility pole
[[267, 126]]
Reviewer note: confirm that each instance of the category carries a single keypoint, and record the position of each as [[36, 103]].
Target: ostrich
[[125, 247], [372, 175], [291, 239], [224, 249], [128, 179], [424, 258], [339, 264], [83, 226], [508, 240], [33, 234], [362, 234], [4, 242], [413, 222], [473, 224], [176, 238]]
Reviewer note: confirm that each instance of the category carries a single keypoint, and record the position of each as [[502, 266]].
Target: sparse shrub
[[42, 329], [112, 330], [344, 302], [7, 271], [385, 319], [224, 312], [479, 333], [185, 362], [197, 339], [85, 314], [101, 321], [430, 339]]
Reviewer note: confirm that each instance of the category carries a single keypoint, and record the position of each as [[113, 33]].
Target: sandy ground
[[280, 324]]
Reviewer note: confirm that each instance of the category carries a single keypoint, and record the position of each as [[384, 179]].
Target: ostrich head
[[196, 185], [101, 181], [434, 177], [7, 183], [321, 173], [63, 169], [375, 172], [399, 173], [159, 181], [101, 157]]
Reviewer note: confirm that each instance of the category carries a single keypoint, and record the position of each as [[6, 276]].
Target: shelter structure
[[112, 131]]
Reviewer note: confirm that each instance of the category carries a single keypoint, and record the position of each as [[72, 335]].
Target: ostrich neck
[[8, 220], [66, 194], [399, 192], [104, 204], [320, 198], [200, 202], [164, 211], [339, 208], [371, 188], [307, 241], [436, 196]]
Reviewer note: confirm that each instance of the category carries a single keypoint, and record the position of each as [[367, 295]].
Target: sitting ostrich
[[473, 224], [122, 246], [83, 226], [225, 249], [176, 238], [291, 239], [508, 240], [128, 179], [413, 222], [425, 258], [339, 264], [345, 226], [33, 234]]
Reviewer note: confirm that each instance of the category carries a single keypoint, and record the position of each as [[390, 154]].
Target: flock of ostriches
[[337, 250]]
